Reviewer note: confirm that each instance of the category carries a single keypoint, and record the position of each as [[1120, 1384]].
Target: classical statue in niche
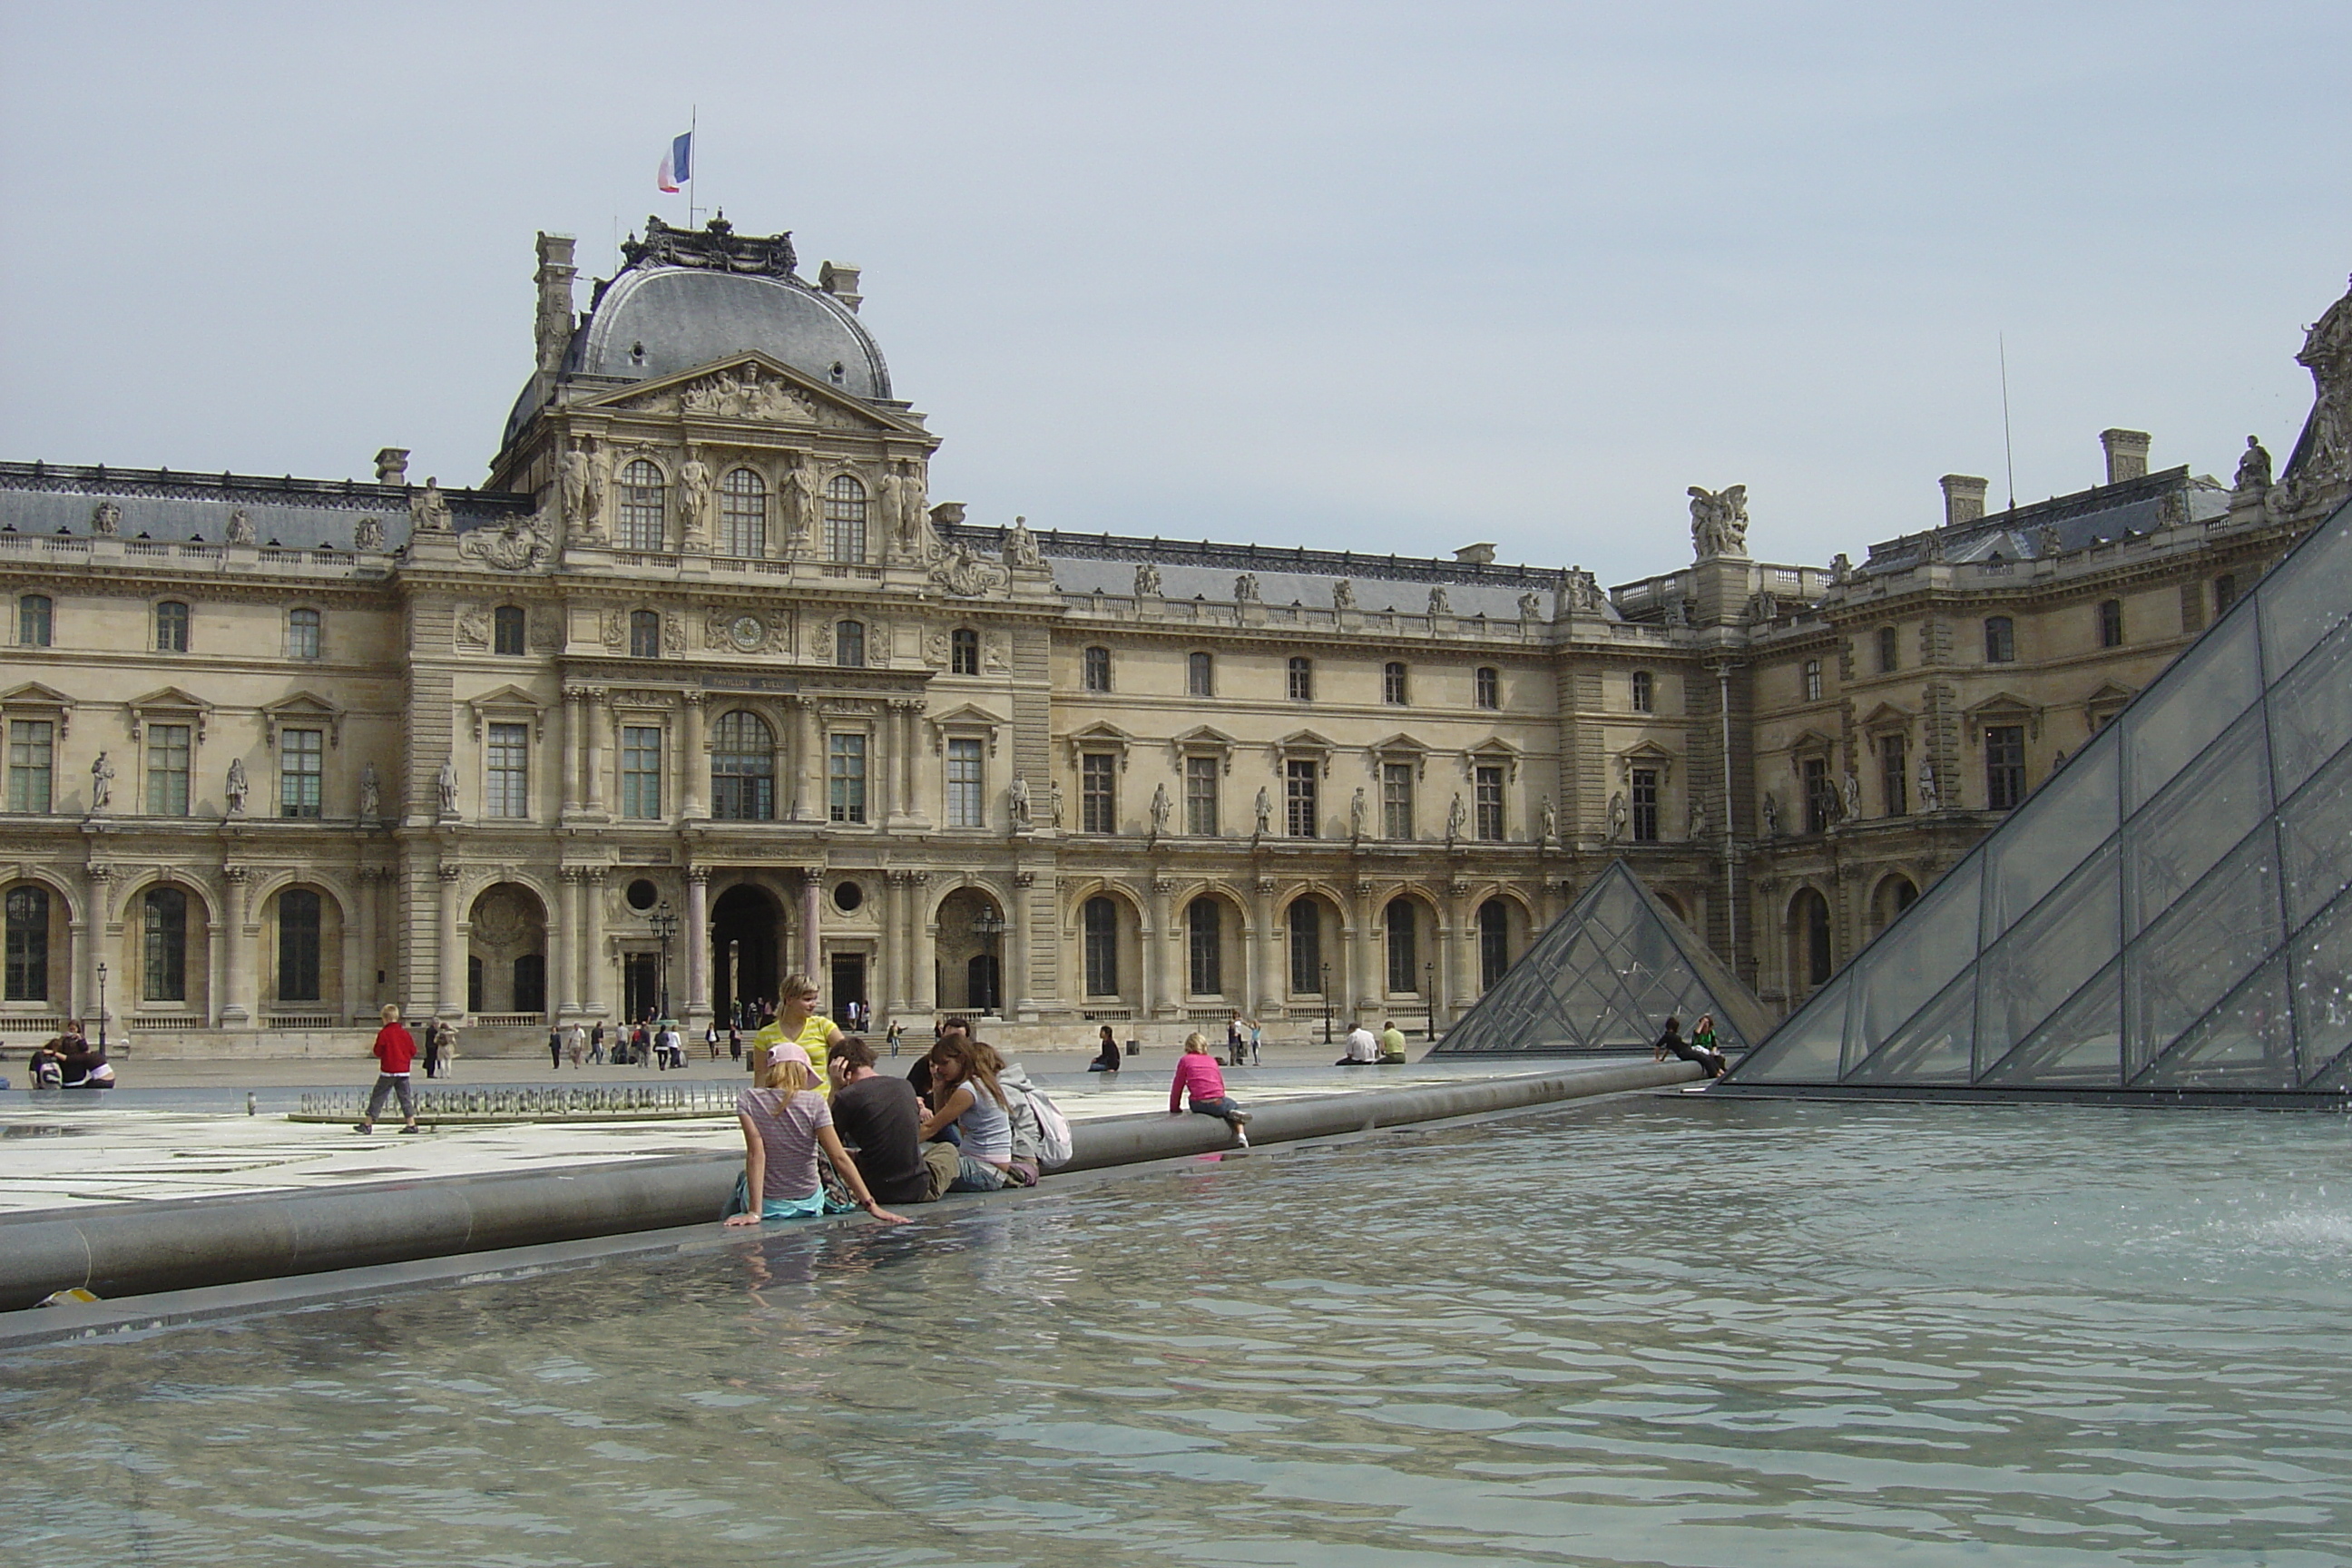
[[237, 787], [1021, 545], [1246, 588], [101, 783], [1264, 811], [2253, 467], [1719, 521], [582, 495], [914, 517], [694, 501], [1054, 802], [1343, 594], [241, 527], [1017, 795], [1771, 816], [428, 512], [106, 520], [1697, 826], [1160, 809], [1617, 814], [368, 534], [1355, 810], [1147, 579], [1851, 790], [370, 793], [1455, 818], [799, 498], [1927, 796], [1439, 605], [1548, 820], [447, 784]]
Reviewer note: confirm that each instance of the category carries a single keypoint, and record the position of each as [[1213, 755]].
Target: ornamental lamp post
[[101, 1007], [988, 925], [664, 920], [1429, 997], [1326, 1003]]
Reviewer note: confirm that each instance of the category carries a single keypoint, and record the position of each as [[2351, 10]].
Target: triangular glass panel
[[1808, 1048], [1917, 956], [2213, 803], [2080, 1047], [2304, 598], [2201, 695], [2067, 818], [2321, 971], [1606, 975], [2206, 943], [2315, 836], [2246, 1043], [2030, 973], [2310, 712], [1934, 1048]]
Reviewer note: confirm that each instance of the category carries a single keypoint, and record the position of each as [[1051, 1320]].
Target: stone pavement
[[193, 1139]]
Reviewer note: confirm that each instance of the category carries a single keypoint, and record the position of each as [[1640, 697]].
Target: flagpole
[[693, 157]]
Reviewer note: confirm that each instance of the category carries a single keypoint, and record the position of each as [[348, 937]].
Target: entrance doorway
[[848, 982], [746, 929], [640, 985], [981, 988]]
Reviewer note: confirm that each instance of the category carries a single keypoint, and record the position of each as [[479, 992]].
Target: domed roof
[[692, 297]]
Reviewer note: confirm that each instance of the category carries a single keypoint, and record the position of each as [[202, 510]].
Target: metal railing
[[621, 1102]]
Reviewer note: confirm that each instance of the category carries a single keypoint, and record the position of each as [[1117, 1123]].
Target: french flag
[[678, 163]]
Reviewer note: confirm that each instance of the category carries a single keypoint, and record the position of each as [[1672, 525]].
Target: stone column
[[1018, 985], [808, 764], [882, 771], [694, 767], [563, 945], [1156, 997], [359, 947], [1364, 954], [890, 983], [592, 962], [573, 734], [922, 945], [1457, 968], [697, 943], [89, 938], [450, 961], [812, 943], [1269, 954], [593, 749], [906, 736], [236, 954]]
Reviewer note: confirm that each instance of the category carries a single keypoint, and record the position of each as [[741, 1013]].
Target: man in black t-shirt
[[880, 1121]]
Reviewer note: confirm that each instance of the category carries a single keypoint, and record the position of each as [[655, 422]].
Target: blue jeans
[[976, 1176], [1221, 1108]]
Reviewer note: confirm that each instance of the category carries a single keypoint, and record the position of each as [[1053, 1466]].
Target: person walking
[[711, 1037], [576, 1047], [596, 1043], [1234, 1039], [432, 1048], [897, 1033], [555, 1047], [735, 1041], [395, 1053], [448, 1049], [1257, 1034]]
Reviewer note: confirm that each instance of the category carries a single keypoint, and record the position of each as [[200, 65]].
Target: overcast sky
[[1392, 277]]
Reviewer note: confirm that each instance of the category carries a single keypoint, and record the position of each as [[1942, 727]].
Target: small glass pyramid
[[2168, 914], [1607, 975]]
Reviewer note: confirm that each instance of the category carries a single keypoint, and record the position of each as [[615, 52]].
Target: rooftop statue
[[1719, 521]]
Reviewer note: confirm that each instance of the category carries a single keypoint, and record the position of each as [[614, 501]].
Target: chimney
[[555, 275], [1475, 555], [2126, 453], [392, 466], [839, 278], [1964, 496]]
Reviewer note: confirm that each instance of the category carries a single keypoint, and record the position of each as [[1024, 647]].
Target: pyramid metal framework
[[2167, 917], [1607, 975]]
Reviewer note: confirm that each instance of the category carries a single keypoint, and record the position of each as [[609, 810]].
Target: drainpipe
[[1730, 863]]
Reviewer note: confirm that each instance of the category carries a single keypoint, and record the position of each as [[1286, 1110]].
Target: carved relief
[[960, 574], [738, 631], [520, 544], [473, 626], [616, 630]]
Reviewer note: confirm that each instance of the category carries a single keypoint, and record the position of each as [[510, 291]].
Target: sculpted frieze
[[740, 631], [520, 544]]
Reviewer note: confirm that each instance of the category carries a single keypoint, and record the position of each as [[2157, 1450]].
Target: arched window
[[849, 644], [1204, 931], [1392, 683], [1494, 942], [1894, 895], [28, 944], [742, 769], [1486, 686], [645, 498], [1307, 947], [1101, 919], [163, 971], [506, 630], [645, 634], [298, 945], [1404, 955], [302, 634], [1646, 692], [963, 651], [1095, 670], [743, 514], [1200, 675], [2000, 639], [170, 627], [845, 519], [1808, 926], [33, 620]]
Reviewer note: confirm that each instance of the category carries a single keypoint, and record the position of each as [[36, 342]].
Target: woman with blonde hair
[[968, 1099], [797, 1022], [785, 1121]]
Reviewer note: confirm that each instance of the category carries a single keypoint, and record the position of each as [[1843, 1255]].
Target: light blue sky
[[1366, 275]]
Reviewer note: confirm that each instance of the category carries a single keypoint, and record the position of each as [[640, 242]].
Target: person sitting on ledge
[[966, 1096], [1671, 1043], [1391, 1044], [878, 1118], [785, 1121], [1107, 1058], [1196, 1073], [1363, 1050]]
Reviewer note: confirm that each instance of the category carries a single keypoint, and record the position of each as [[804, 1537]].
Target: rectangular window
[[301, 772], [170, 627], [1486, 686], [1307, 948], [1205, 942], [2000, 639], [1812, 680], [33, 620], [1200, 795], [1098, 793], [1095, 673], [1200, 675], [1821, 802], [302, 634], [1487, 821], [2111, 623], [507, 780], [2225, 591], [844, 769], [32, 758], [967, 796], [1646, 692], [641, 767], [1645, 806], [1298, 797], [28, 944], [1392, 683], [1396, 801], [298, 945], [1102, 947], [2004, 766], [167, 769], [1893, 774], [1302, 680], [1887, 660], [645, 634], [963, 651]]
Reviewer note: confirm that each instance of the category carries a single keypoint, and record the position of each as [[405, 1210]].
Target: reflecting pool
[[1647, 1330]]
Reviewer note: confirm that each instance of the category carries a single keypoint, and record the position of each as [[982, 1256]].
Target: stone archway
[[506, 964], [971, 953], [747, 928]]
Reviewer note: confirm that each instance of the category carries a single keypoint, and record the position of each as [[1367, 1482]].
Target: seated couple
[[1699, 1047], [70, 1061]]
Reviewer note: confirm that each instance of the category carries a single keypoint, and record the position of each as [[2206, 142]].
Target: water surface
[[1649, 1331]]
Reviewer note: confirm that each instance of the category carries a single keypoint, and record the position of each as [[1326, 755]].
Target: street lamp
[[1326, 1003], [664, 920], [1429, 997], [101, 1007], [988, 925]]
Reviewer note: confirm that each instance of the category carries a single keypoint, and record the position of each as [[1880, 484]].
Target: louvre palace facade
[[702, 687]]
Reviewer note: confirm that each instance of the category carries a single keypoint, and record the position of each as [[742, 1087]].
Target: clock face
[[748, 632]]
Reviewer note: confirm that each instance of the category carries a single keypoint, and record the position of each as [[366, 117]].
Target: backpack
[[1040, 1131]]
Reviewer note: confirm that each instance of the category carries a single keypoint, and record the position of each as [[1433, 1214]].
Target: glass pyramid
[[1607, 975], [2167, 913]]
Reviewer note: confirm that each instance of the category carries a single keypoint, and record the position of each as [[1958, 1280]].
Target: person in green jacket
[[1391, 1042]]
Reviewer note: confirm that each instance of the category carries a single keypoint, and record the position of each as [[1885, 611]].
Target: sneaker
[[1243, 1133], [412, 1127], [364, 1129], [1239, 1117]]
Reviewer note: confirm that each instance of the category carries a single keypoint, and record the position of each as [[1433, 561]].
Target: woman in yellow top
[[798, 1022]]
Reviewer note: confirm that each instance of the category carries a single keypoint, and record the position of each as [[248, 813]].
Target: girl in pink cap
[[785, 1121]]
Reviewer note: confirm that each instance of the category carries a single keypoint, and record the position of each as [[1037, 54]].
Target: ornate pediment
[[169, 705], [34, 697], [302, 711], [2002, 707], [507, 702], [751, 388]]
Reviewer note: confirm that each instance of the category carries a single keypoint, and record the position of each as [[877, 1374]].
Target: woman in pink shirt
[[1196, 1071]]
